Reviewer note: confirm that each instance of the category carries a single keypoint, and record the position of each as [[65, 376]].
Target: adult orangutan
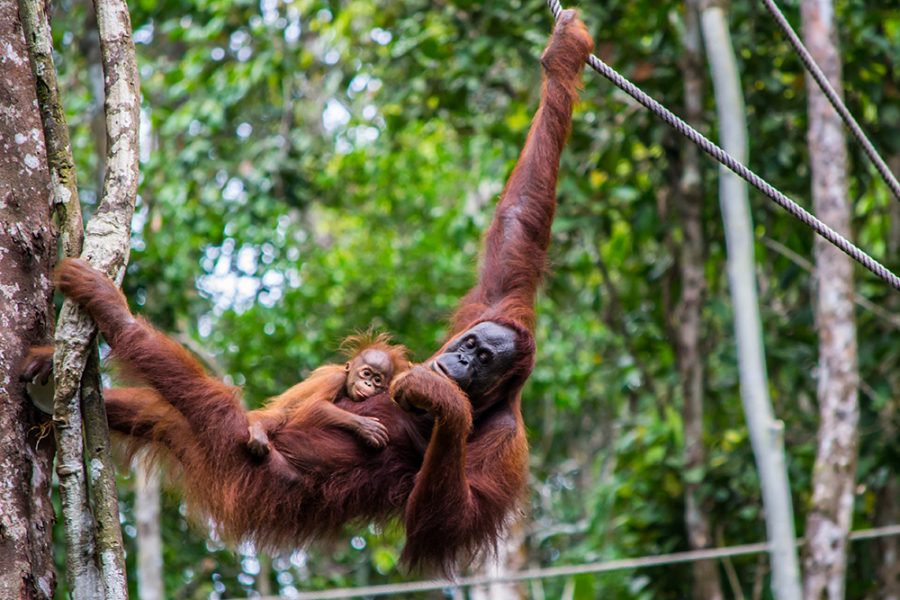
[[455, 464]]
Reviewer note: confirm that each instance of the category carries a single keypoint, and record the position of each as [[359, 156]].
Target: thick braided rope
[[833, 97], [736, 166]]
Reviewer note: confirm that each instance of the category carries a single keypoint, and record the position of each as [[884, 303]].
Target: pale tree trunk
[[510, 558], [766, 433], [27, 251], [107, 246], [686, 320], [264, 579], [91, 540], [149, 537], [831, 509]]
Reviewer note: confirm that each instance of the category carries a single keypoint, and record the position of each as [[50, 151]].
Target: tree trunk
[[76, 391], [888, 513], [149, 537], [27, 251], [106, 246], [689, 201], [831, 510], [510, 558], [765, 432], [81, 571], [887, 509]]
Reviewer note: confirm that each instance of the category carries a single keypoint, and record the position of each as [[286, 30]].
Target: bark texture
[[765, 431], [107, 244], [81, 569], [76, 373], [831, 512], [27, 249], [689, 203], [102, 477], [35, 23]]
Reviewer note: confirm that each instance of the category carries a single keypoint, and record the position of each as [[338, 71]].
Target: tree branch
[[82, 577], [36, 25], [106, 246]]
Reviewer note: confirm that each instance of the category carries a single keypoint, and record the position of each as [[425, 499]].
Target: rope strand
[[834, 98], [736, 166]]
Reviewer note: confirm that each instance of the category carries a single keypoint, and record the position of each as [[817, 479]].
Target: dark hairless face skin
[[478, 357], [368, 374]]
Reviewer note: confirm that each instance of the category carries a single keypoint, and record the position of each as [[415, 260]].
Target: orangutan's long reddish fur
[[454, 474]]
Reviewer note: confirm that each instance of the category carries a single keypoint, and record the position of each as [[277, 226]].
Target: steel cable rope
[[737, 167], [833, 97]]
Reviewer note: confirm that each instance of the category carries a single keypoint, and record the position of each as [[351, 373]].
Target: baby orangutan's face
[[368, 373]]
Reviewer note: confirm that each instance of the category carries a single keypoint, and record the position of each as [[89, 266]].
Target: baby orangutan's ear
[[347, 367]]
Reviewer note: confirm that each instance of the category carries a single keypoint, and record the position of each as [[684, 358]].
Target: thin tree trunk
[[27, 251], [264, 578], [894, 212], [887, 509], [76, 373], [831, 510], [110, 252], [510, 558], [887, 512], [106, 245], [82, 576], [149, 537], [104, 495], [766, 433], [689, 202]]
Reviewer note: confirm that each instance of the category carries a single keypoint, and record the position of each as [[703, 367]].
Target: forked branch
[[106, 245]]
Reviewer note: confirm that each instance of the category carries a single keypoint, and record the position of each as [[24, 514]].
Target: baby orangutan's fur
[[372, 363]]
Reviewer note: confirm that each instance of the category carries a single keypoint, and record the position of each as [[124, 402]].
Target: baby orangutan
[[372, 364]]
